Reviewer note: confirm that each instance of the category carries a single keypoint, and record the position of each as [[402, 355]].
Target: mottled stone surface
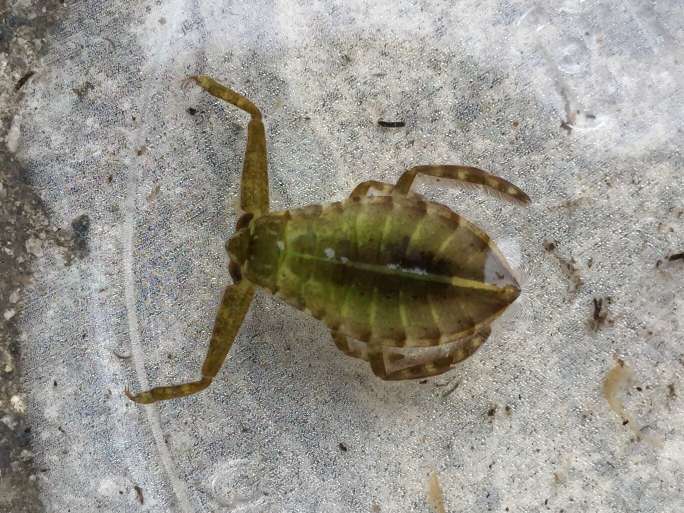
[[580, 104]]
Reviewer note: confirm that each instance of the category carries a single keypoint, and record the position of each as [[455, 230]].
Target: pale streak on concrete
[[151, 411]]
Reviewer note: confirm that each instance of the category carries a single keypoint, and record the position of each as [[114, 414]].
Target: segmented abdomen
[[402, 271]]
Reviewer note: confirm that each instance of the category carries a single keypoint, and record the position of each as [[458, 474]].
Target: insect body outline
[[389, 273]]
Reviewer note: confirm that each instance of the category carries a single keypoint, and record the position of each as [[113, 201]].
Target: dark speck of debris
[[491, 411], [54, 383], [139, 494], [625, 422], [191, 111], [676, 256], [391, 124], [81, 227], [516, 124], [82, 91], [110, 178], [140, 151], [23, 80], [589, 115], [342, 447], [671, 393], [600, 313], [508, 410], [566, 126], [422, 381], [549, 246]]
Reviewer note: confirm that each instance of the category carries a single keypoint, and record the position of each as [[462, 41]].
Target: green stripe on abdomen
[[401, 271]]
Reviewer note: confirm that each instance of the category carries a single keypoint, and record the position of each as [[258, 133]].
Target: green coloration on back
[[390, 271], [400, 271]]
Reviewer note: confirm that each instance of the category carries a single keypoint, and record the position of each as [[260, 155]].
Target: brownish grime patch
[[434, 494], [153, 193], [452, 388], [568, 266], [139, 494], [671, 392], [616, 379]]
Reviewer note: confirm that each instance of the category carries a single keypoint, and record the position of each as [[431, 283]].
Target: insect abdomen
[[406, 272]]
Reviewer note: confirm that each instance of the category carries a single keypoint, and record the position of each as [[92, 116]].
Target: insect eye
[[244, 220]]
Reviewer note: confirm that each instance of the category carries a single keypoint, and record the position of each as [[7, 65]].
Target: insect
[[403, 283]]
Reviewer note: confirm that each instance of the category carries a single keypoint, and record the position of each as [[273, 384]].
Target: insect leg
[[376, 358], [342, 344], [233, 308], [363, 188], [254, 186], [459, 351], [466, 174]]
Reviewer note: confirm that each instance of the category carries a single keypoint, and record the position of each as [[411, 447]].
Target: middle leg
[[363, 188]]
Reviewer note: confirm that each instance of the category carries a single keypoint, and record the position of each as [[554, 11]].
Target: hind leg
[[461, 350], [342, 344], [466, 174]]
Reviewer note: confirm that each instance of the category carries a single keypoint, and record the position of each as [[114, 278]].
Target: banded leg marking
[[466, 174]]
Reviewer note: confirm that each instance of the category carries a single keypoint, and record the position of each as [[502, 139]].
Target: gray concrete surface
[[580, 104], [23, 220]]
